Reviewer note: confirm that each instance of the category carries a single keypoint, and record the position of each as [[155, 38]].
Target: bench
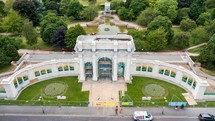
[[61, 97], [146, 98]]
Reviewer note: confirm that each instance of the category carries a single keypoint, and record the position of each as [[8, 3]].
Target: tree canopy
[[167, 8], [72, 34], [89, 13], [155, 40], [207, 55], [147, 16], [187, 24], [30, 33], [165, 23], [12, 22], [49, 25], [8, 50], [27, 9]]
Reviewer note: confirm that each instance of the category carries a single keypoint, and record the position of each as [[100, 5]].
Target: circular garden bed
[[154, 90], [55, 89]]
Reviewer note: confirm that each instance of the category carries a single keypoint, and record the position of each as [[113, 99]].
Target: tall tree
[[74, 8], [182, 14], [152, 2], [30, 33], [139, 38], [187, 24], [12, 22], [52, 5], [8, 50], [89, 13], [167, 8], [49, 25], [210, 4], [210, 27], [156, 40], [164, 22], [138, 5], [58, 38], [125, 14], [198, 35], [204, 17], [2, 12], [181, 40], [27, 9], [184, 3], [207, 55], [147, 16], [196, 8], [116, 4], [72, 34]]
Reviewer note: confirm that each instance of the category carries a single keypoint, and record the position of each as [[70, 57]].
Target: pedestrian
[[182, 106], [163, 110], [176, 107], [43, 110], [116, 110], [120, 111]]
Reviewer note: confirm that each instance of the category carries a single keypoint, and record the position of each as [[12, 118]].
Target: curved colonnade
[[31, 74]]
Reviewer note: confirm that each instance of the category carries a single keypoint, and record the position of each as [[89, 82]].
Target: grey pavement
[[100, 111]]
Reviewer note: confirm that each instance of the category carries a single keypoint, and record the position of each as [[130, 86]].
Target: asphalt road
[[76, 118]]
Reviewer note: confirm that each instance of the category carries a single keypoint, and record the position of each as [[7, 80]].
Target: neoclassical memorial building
[[104, 57]]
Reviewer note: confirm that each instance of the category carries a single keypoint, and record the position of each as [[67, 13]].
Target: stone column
[[81, 66], [10, 89], [155, 70], [95, 67], [127, 68], [54, 69], [114, 67]]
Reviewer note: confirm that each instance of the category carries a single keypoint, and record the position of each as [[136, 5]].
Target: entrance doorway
[[105, 68], [121, 70]]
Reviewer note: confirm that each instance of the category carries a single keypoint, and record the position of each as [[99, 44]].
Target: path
[[196, 46], [103, 92]]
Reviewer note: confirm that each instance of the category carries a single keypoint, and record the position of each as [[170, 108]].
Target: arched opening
[[121, 70], [105, 68]]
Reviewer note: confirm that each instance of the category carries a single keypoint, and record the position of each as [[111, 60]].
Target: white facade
[[105, 57]]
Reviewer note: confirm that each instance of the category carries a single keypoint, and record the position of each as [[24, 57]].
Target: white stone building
[[105, 57]]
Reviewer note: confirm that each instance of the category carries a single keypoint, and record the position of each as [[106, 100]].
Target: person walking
[[116, 110], [163, 110]]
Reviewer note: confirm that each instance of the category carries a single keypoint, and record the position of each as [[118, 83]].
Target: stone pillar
[[95, 67], [10, 89], [81, 66], [178, 76], [31, 75], [155, 70], [114, 68], [127, 66], [54, 69]]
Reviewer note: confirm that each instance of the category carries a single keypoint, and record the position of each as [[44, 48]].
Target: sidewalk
[[99, 111]]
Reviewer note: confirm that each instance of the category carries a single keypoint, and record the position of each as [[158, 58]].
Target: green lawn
[[197, 50], [31, 95], [134, 91], [209, 72], [6, 68]]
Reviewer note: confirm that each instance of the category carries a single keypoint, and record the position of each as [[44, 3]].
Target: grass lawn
[[31, 95], [6, 68], [197, 50], [135, 91], [209, 72]]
